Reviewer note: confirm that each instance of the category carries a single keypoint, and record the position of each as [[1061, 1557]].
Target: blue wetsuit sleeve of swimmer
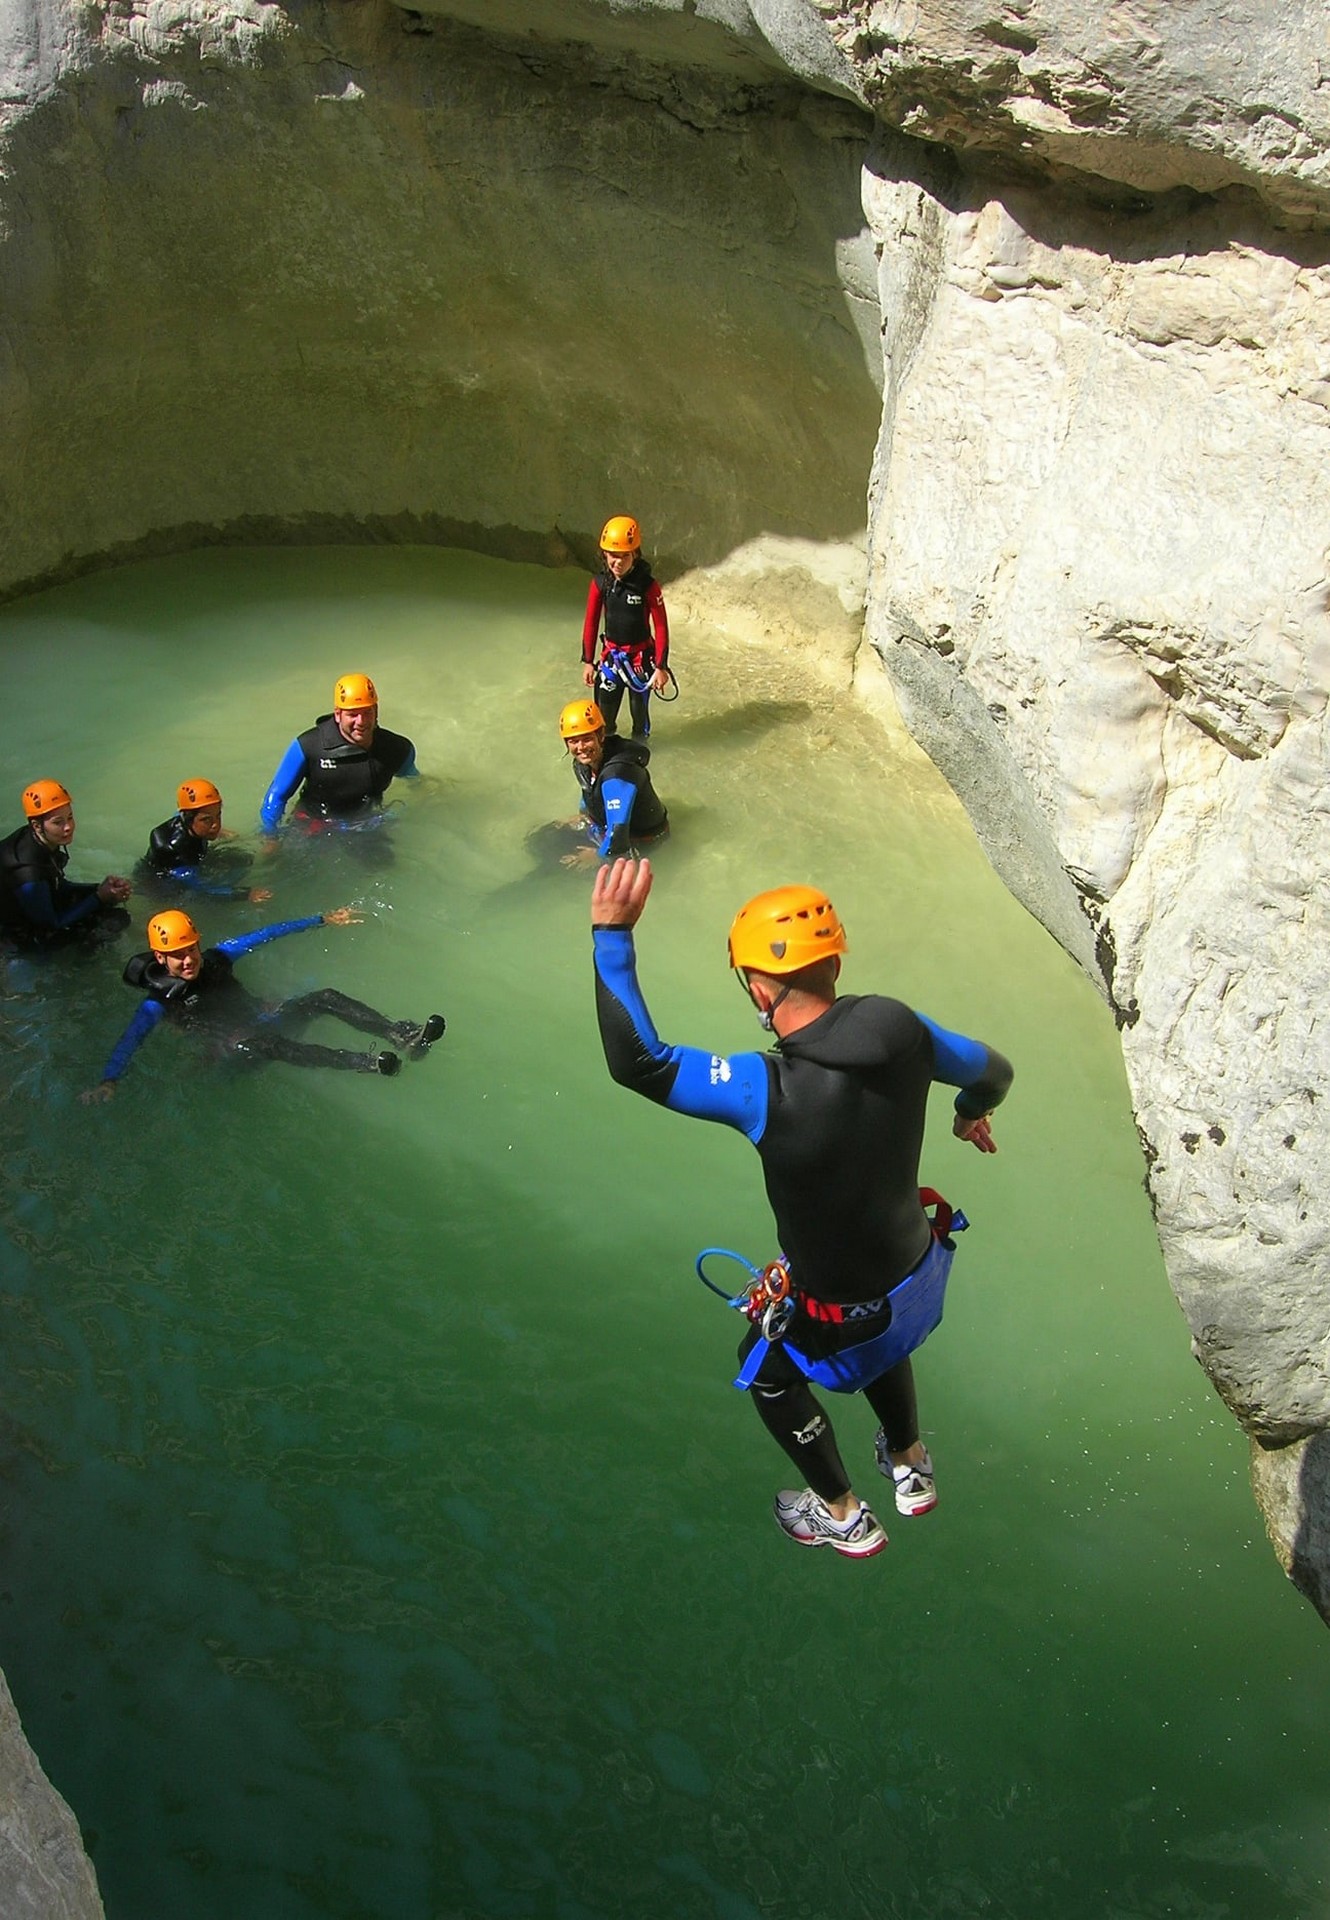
[[246, 942], [982, 1074], [38, 904], [149, 1013], [618, 796], [408, 769], [707, 1086], [284, 783], [192, 878]]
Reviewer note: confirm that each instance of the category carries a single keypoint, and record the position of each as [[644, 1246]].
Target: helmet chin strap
[[767, 1020]]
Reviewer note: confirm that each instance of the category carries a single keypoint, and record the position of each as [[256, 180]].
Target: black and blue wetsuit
[[38, 906], [178, 859], [836, 1113], [620, 807], [336, 777], [218, 1009]]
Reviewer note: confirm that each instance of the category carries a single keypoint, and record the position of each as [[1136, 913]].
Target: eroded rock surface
[[44, 1872]]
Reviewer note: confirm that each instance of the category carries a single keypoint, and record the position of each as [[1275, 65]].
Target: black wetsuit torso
[[341, 777], [215, 998], [624, 765], [624, 605], [26, 862]]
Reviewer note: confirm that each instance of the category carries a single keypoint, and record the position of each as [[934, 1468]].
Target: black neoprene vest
[[624, 605], [173, 845], [340, 776], [624, 760], [150, 975], [23, 860]]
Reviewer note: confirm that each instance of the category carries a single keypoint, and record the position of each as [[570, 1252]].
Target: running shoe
[[916, 1490], [810, 1522]]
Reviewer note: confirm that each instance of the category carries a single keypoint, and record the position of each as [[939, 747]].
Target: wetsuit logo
[[720, 1069], [816, 1427]]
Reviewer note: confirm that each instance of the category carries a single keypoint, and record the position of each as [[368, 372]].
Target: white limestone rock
[[44, 1872]]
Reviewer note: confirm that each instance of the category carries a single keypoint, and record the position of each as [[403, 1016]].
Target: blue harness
[[916, 1304]]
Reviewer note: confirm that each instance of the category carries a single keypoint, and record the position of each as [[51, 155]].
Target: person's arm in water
[[145, 1019], [192, 877], [283, 784], [618, 796], [590, 633], [983, 1076], [707, 1086], [40, 903], [260, 936]]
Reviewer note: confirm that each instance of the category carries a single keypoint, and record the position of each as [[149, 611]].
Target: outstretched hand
[[619, 896], [102, 1091], [342, 917], [978, 1132]]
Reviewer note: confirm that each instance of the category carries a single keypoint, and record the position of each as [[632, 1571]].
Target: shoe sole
[[915, 1509]]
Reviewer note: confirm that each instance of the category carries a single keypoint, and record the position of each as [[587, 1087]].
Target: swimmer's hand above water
[[102, 1091], [342, 917]]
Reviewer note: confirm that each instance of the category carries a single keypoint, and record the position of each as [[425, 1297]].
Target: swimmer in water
[[38, 906], [836, 1113], [621, 810], [179, 849], [197, 990], [342, 765]]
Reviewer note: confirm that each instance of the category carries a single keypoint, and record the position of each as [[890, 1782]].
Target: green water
[[381, 1537]]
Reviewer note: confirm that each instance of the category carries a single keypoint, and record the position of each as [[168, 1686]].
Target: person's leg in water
[[609, 700], [417, 1035], [267, 1043]]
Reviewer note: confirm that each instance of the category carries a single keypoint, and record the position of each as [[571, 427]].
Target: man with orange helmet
[[344, 763], [179, 848], [197, 989], [38, 906], [836, 1113], [625, 613]]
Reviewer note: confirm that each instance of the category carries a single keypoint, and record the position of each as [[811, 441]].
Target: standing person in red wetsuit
[[625, 608]]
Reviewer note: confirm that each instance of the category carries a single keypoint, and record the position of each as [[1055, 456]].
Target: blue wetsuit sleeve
[[192, 878], [284, 783], [408, 769], [707, 1086], [146, 1018], [38, 904], [982, 1074], [618, 796], [246, 942]]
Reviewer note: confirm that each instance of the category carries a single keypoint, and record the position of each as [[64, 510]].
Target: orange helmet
[[354, 690], [190, 795], [580, 716], [172, 932], [44, 796], [620, 534], [781, 931]]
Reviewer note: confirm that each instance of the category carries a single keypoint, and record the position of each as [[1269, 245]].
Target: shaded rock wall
[[355, 266]]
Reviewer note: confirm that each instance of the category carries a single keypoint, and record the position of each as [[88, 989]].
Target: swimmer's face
[[186, 963], [206, 822], [621, 563], [57, 828], [357, 724], [588, 749]]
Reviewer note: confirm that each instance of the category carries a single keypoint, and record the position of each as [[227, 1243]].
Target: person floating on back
[[181, 851], [198, 991], [620, 808], [342, 765], [836, 1113], [625, 614], [38, 906]]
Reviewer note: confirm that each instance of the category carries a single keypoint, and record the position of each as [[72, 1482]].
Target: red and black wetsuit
[[632, 612]]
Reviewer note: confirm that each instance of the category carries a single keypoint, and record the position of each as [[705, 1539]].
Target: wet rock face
[[44, 1872]]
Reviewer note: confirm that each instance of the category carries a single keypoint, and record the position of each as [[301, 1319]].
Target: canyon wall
[[1037, 291]]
